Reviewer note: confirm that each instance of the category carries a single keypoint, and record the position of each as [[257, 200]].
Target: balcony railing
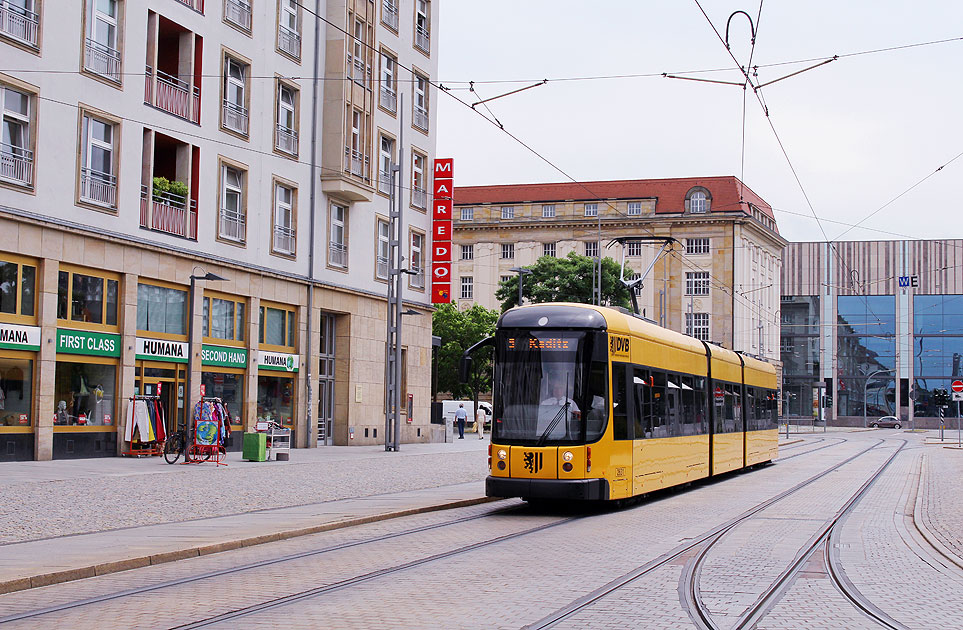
[[355, 162], [382, 267], [419, 197], [283, 239], [337, 254], [98, 188], [19, 24], [234, 117], [418, 277], [168, 213], [232, 225], [389, 100], [289, 41], [422, 38], [286, 140], [238, 12], [420, 118], [173, 95], [16, 164], [384, 182], [358, 70], [197, 5], [102, 60], [389, 13]]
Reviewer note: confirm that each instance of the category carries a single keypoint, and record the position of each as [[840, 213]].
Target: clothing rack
[[145, 448], [210, 444]]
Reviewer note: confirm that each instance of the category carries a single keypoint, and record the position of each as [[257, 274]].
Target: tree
[[566, 279], [459, 330]]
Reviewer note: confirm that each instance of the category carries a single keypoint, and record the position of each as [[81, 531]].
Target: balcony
[[389, 14], [19, 24], [102, 60], [168, 213], [16, 165], [289, 41], [355, 163], [173, 95], [337, 254], [197, 5], [284, 240], [286, 140], [98, 188], [232, 225], [420, 118], [238, 12], [419, 197], [358, 71], [382, 267], [422, 38], [389, 100], [234, 117]]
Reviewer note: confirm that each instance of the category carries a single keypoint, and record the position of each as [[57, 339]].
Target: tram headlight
[[567, 456], [502, 454]]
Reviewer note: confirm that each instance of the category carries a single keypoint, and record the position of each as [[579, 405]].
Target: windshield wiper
[[551, 425]]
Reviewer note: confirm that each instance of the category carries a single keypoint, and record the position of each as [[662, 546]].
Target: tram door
[[165, 380]]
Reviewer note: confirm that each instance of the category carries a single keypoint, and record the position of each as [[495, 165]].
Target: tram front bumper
[[574, 489]]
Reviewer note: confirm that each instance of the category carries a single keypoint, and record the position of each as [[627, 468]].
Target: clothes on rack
[[212, 422], [146, 416]]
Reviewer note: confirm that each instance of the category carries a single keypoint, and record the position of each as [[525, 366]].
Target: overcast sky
[[859, 131]]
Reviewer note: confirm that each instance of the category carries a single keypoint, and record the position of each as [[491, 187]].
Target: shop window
[[87, 299], [16, 381], [161, 310], [229, 387], [275, 399], [276, 326], [18, 283], [223, 319], [84, 393]]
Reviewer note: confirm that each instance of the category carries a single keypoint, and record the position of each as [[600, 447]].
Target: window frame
[[105, 276], [704, 199], [420, 87], [633, 209], [698, 323], [28, 124], [508, 248], [508, 212], [382, 245], [590, 209], [419, 173], [468, 213], [342, 224], [278, 183], [384, 178], [548, 211], [416, 259], [222, 192], [697, 246], [18, 317], [289, 329], [284, 9], [467, 288], [294, 110], [549, 249], [594, 245], [169, 286], [83, 158], [236, 341], [388, 80], [91, 15], [244, 64], [697, 283], [422, 19]]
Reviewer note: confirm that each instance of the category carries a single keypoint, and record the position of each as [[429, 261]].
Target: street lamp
[[190, 340], [521, 271], [866, 386]]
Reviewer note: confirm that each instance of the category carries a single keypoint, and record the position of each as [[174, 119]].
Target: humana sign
[[161, 349], [278, 361]]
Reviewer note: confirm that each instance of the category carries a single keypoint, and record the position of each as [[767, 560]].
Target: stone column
[[253, 322], [128, 314], [46, 358]]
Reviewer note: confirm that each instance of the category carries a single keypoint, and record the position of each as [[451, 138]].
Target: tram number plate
[[619, 472]]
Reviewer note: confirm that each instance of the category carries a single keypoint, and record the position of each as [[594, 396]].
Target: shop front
[[161, 370], [276, 387], [18, 352], [222, 376], [85, 394]]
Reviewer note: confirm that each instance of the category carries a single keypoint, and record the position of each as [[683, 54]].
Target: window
[[548, 211], [422, 25], [591, 209], [548, 249], [276, 326], [289, 29], [238, 13], [508, 251], [389, 14], [161, 309], [385, 162], [234, 107], [286, 132], [467, 214], [285, 241], [633, 248], [420, 116], [223, 318], [16, 156], [89, 299], [389, 90], [19, 20], [356, 161], [338, 237], [417, 261], [98, 184], [101, 46], [504, 279], [383, 252], [697, 325], [698, 201], [18, 289], [357, 66], [696, 246], [233, 216], [697, 283], [467, 252], [419, 196], [635, 208], [508, 212], [467, 289], [592, 249]]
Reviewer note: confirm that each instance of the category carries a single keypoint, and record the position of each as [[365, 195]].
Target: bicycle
[[177, 445]]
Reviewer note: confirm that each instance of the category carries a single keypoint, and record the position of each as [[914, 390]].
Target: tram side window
[[772, 410], [658, 417], [737, 403], [750, 408], [689, 423], [700, 411], [725, 418], [641, 416], [673, 405], [620, 406]]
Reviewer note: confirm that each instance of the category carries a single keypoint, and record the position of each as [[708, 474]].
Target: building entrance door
[[166, 380], [326, 379]]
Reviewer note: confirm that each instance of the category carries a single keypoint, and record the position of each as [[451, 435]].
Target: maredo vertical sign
[[441, 208]]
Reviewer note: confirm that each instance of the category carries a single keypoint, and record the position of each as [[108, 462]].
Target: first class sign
[[441, 225]]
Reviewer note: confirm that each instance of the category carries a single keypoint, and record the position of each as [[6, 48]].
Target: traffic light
[[828, 401], [941, 397]]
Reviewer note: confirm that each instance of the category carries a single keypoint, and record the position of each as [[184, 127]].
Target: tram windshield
[[550, 387]]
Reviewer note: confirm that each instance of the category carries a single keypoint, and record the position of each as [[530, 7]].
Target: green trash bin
[[254, 447]]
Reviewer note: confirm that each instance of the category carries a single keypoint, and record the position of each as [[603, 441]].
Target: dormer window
[[697, 201]]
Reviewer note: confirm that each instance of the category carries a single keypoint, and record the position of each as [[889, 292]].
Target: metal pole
[[190, 368], [399, 215], [520, 276]]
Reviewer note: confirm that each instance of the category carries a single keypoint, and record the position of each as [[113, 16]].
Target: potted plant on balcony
[[172, 193]]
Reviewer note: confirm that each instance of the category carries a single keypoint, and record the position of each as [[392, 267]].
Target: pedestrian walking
[[460, 415], [480, 422]]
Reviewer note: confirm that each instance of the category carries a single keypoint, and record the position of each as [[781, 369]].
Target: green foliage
[[459, 330], [566, 279], [173, 193]]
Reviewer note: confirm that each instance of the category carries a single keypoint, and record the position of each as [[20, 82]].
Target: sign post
[[957, 388]]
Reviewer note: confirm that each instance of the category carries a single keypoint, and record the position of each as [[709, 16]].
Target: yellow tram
[[593, 403]]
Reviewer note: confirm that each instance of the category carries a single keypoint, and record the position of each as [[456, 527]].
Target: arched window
[[698, 201]]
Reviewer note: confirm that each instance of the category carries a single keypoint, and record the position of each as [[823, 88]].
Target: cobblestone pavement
[[942, 477], [520, 580]]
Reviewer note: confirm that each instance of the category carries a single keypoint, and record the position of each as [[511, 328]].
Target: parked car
[[887, 422]]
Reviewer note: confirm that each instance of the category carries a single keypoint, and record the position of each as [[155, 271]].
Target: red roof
[[725, 191]]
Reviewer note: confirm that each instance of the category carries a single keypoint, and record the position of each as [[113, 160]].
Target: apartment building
[[188, 209], [718, 282]]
